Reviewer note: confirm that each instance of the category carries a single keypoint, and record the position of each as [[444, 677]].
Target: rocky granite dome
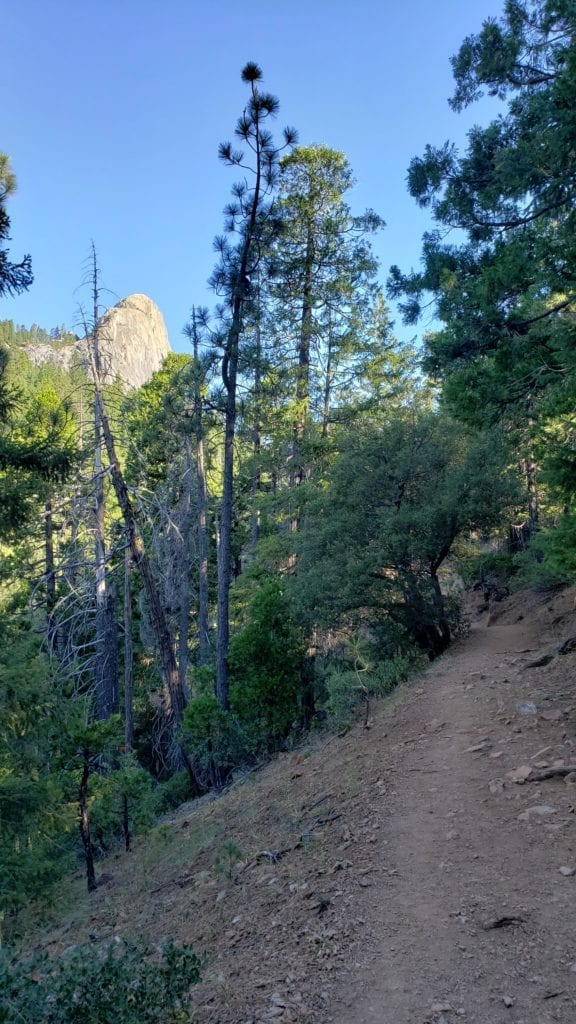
[[133, 343], [133, 340]]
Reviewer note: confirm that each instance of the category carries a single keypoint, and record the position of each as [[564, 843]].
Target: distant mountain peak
[[133, 343]]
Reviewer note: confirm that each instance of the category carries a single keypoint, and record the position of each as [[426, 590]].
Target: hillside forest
[[273, 531]]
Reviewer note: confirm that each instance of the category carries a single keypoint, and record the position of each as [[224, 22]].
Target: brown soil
[[374, 868]]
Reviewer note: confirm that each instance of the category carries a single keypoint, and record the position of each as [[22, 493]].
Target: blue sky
[[113, 111]]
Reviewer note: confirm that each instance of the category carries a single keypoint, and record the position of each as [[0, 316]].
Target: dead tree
[[174, 700], [106, 661]]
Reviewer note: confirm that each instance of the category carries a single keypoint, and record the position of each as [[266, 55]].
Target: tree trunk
[[107, 661], [303, 373], [298, 473], [106, 634], [443, 637], [184, 569], [173, 698], [203, 623], [128, 653], [125, 822], [50, 576], [531, 474], [84, 821], [327, 397], [256, 438], [229, 377], [531, 482], [229, 372]]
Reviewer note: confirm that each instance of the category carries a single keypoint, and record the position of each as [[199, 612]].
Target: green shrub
[[266, 667], [121, 984], [175, 791], [212, 738], [347, 689], [487, 566], [107, 792], [549, 561], [226, 859]]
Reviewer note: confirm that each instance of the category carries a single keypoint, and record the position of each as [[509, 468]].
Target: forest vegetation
[[266, 534]]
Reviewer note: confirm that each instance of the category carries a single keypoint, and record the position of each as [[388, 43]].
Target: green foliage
[[174, 791], [490, 569], [266, 667], [226, 859], [374, 540], [549, 561], [505, 289], [124, 983], [35, 818], [18, 336], [37, 447], [158, 420], [212, 738], [126, 781], [348, 688], [14, 277]]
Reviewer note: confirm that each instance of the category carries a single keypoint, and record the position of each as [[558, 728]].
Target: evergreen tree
[[250, 215], [377, 536], [506, 294], [14, 277], [325, 284]]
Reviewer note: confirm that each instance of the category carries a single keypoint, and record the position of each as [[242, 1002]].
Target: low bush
[[347, 689], [124, 983]]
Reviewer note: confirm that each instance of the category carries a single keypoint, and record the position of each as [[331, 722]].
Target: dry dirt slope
[[373, 868]]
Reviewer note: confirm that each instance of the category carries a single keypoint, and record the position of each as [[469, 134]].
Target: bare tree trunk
[[70, 572], [106, 638], [203, 623], [184, 570], [256, 439], [128, 653], [84, 821], [50, 576], [173, 697], [174, 700]]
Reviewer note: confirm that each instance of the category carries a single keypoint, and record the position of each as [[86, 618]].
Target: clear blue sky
[[113, 111]]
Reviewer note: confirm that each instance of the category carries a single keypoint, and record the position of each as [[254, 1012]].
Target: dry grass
[[271, 927], [275, 930]]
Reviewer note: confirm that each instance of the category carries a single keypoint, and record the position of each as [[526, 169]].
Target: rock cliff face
[[133, 340], [133, 343]]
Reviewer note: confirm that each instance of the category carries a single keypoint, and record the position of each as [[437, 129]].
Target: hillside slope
[[397, 875]]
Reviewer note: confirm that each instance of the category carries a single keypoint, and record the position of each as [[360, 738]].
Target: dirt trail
[[351, 881], [455, 857]]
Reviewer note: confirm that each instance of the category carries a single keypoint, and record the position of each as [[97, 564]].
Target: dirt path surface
[[360, 879], [464, 847]]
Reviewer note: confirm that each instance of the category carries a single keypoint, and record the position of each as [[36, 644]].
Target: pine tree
[[251, 216], [14, 277]]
